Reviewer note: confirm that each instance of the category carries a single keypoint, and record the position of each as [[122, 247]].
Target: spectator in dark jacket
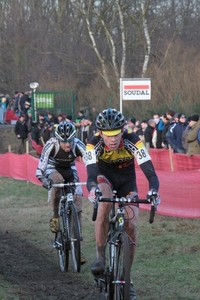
[[52, 118], [21, 131], [51, 129], [141, 130], [185, 134], [86, 130], [171, 115], [91, 127], [176, 137], [148, 133], [24, 99], [36, 132], [27, 106], [165, 130], [43, 135]]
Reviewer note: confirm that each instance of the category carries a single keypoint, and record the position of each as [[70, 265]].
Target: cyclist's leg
[[101, 229], [56, 177]]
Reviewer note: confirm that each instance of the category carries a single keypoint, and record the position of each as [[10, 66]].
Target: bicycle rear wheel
[[63, 252], [74, 238], [122, 274]]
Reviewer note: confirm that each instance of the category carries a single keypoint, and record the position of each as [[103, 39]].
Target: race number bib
[[142, 155], [90, 157]]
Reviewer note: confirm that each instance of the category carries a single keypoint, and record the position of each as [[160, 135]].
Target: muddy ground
[[34, 277]]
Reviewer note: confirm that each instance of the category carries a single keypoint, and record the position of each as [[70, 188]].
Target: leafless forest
[[87, 45]]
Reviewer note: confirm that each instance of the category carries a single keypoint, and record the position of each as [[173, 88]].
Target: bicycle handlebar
[[124, 201], [68, 184]]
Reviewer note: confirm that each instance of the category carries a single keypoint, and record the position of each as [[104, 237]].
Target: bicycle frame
[[112, 286], [68, 237]]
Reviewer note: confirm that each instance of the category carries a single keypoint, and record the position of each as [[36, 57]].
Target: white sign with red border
[[135, 89]]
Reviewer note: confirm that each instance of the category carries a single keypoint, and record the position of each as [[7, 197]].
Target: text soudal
[[136, 92]]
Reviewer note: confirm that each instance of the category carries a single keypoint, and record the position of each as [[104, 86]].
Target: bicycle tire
[[110, 276], [74, 238], [103, 294], [122, 272], [106, 285], [63, 253]]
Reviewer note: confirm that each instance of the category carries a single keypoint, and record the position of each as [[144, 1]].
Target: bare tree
[[79, 44], [147, 37]]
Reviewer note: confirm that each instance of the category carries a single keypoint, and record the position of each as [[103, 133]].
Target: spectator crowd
[[170, 130]]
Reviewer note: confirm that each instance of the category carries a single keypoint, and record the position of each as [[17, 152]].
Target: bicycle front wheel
[[122, 272], [74, 238], [62, 251]]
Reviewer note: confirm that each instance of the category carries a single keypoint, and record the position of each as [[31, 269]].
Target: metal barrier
[[56, 102]]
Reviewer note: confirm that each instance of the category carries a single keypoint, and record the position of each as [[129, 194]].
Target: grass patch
[[167, 257]]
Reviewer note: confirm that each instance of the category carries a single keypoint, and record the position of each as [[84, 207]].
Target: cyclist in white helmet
[[57, 165]]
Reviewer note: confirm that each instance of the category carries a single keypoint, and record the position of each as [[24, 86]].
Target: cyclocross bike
[[114, 284], [68, 237]]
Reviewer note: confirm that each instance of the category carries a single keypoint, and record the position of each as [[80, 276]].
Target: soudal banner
[[136, 89]]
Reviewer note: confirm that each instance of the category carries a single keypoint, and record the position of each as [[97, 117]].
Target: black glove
[[46, 182], [50, 183], [153, 194]]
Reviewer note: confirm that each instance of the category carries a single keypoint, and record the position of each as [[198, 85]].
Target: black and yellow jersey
[[130, 146], [100, 160]]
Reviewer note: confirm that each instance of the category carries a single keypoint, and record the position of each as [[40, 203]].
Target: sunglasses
[[68, 141]]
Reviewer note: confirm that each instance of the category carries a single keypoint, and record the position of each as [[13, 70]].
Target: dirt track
[[34, 277], [27, 260], [28, 263]]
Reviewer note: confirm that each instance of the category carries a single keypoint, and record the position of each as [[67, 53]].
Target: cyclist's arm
[[91, 164], [80, 148], [44, 158], [92, 176], [144, 161], [149, 171]]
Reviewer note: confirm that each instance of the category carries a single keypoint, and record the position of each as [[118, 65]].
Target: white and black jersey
[[53, 157]]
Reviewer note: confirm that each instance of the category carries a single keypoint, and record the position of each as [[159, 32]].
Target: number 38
[[141, 154]]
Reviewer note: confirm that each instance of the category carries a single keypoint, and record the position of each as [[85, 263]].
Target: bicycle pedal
[[56, 245]]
